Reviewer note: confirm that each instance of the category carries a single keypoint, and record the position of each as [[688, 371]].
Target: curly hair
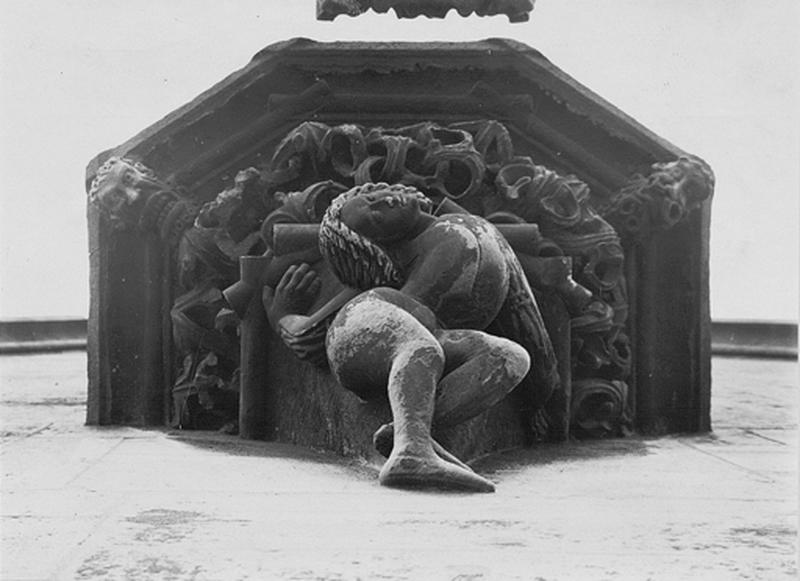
[[357, 261]]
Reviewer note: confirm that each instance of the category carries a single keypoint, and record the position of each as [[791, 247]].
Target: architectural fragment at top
[[515, 10]]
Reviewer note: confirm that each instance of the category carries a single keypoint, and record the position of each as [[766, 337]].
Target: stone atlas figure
[[430, 286]]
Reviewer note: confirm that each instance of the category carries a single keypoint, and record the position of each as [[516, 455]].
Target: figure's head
[[385, 213], [689, 178], [121, 184], [361, 219]]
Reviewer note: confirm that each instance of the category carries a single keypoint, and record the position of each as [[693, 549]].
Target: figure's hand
[[295, 293], [298, 288]]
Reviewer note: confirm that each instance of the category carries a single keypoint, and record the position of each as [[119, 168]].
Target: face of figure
[[122, 186], [387, 215], [118, 189]]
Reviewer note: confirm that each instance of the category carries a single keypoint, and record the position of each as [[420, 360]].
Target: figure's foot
[[383, 440], [404, 470]]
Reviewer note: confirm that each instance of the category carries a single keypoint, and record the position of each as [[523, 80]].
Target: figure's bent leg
[[413, 461], [375, 347], [482, 370]]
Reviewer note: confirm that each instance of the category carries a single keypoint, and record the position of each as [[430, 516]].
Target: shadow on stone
[[223, 443], [574, 451]]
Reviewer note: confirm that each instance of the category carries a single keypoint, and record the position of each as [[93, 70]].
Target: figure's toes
[[406, 471]]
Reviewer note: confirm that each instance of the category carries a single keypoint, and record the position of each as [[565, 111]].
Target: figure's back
[[460, 272]]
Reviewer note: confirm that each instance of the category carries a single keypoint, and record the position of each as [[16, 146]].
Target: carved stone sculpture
[[202, 246], [134, 197], [431, 285], [204, 330], [608, 222], [457, 162], [474, 163], [561, 206]]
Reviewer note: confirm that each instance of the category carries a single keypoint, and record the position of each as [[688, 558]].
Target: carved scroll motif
[[661, 199], [600, 408], [515, 10], [562, 207]]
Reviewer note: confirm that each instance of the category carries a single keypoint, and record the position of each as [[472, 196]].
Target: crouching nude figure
[[430, 285]]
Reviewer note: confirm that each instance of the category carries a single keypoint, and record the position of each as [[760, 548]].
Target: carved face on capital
[[121, 185], [387, 214], [687, 178]]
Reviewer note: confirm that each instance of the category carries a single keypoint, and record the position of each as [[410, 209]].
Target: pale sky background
[[719, 78]]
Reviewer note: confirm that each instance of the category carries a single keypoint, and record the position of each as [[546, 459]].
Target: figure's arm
[[287, 307]]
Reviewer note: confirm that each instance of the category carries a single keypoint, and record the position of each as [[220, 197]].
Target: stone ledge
[[38, 346], [754, 339], [729, 338], [42, 335]]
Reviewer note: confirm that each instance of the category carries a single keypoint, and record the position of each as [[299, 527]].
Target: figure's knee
[[421, 355], [431, 354], [514, 358]]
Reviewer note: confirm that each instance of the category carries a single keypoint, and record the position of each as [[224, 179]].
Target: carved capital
[[661, 199]]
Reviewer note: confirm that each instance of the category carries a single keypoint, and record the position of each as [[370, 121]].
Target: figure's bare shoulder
[[469, 226], [455, 230]]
